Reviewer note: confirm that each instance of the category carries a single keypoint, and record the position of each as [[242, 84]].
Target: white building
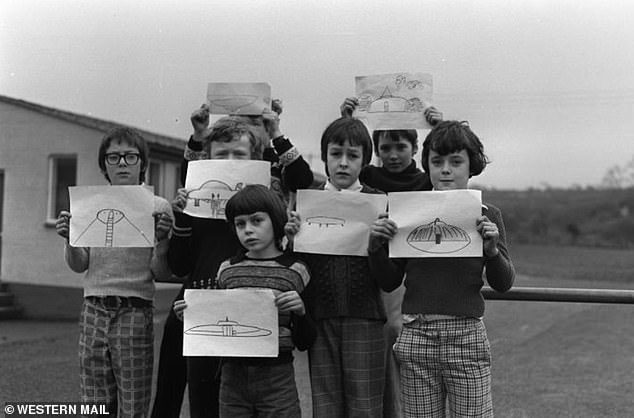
[[42, 152]]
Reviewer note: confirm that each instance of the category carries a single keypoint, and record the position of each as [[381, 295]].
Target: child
[[397, 173], [443, 349], [263, 387], [198, 247], [347, 360], [116, 341], [396, 150]]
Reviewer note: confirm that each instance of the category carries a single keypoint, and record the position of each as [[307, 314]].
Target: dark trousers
[[200, 374], [172, 370], [203, 378]]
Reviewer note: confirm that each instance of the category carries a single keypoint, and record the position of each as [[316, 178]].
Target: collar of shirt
[[354, 187]]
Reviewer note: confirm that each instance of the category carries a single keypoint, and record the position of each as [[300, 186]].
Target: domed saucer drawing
[[438, 237], [228, 328], [214, 193]]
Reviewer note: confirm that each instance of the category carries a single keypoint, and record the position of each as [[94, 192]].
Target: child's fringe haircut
[[257, 198], [452, 136]]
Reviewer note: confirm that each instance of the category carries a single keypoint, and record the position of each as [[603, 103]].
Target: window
[[164, 175], [153, 177], [62, 174]]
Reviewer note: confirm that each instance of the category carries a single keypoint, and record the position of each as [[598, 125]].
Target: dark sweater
[[197, 248], [341, 286], [447, 286], [409, 180]]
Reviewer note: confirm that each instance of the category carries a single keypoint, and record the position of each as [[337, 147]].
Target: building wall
[[32, 252]]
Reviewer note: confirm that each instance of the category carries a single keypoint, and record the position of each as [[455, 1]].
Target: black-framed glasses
[[129, 158]]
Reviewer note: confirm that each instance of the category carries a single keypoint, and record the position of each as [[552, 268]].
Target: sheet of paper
[[436, 224], [238, 98], [336, 222], [111, 216], [394, 101], [211, 183], [230, 323]]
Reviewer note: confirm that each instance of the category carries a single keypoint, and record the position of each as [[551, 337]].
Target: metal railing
[[557, 294]]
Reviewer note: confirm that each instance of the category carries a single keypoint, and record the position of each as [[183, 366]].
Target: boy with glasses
[[116, 335]]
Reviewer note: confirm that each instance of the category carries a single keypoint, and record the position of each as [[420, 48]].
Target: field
[[549, 359], [577, 263]]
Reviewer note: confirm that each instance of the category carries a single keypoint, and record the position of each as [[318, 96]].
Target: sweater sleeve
[[193, 151], [158, 264], [500, 271], [296, 173], [303, 331], [180, 254], [386, 272], [77, 258]]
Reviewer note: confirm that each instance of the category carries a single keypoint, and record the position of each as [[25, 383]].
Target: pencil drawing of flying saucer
[[325, 221], [438, 237], [211, 190], [388, 103], [232, 103], [104, 226], [228, 328]]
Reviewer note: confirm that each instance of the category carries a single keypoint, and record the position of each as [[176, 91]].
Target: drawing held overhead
[[394, 101], [238, 98]]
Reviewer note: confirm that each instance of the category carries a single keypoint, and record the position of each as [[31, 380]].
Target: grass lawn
[[574, 262]]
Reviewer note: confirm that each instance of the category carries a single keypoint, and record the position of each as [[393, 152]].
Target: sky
[[547, 85]]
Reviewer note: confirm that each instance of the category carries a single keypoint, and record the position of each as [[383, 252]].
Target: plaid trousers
[[116, 355], [445, 361], [347, 368]]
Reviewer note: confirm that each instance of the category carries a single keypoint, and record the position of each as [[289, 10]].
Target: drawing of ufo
[[389, 103], [210, 191], [232, 103], [325, 221], [228, 328], [438, 237]]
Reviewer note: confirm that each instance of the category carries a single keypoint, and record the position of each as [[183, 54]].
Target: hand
[[200, 123], [292, 225], [180, 200], [348, 106], [271, 122], [381, 231], [290, 302], [162, 225], [432, 115], [490, 235], [62, 225], [179, 308], [276, 106]]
